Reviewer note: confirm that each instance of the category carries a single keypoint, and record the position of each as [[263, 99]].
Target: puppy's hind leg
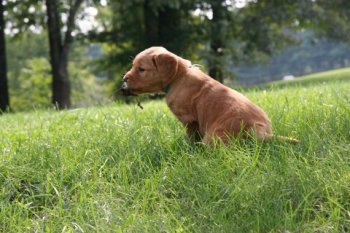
[[192, 130], [217, 135], [261, 132]]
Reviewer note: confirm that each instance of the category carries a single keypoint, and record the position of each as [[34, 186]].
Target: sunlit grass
[[123, 169]]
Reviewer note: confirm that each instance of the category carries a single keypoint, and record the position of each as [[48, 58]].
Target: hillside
[[337, 75], [123, 169]]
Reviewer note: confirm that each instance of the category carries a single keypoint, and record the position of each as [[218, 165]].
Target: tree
[[222, 31], [229, 33], [30, 15], [218, 29], [4, 96], [152, 23], [59, 51], [331, 19]]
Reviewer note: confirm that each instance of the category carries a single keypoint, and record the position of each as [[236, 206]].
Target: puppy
[[208, 109]]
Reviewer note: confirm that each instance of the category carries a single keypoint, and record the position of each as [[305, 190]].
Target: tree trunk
[[216, 69], [151, 25], [60, 80], [217, 46], [4, 95], [169, 31]]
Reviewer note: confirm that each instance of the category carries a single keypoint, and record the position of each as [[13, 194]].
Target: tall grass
[[123, 169]]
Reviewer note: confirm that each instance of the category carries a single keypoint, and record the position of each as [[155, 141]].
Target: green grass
[[123, 169]]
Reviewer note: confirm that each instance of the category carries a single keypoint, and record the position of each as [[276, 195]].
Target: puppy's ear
[[166, 64]]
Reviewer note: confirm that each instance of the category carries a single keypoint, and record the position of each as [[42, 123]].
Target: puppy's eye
[[141, 69]]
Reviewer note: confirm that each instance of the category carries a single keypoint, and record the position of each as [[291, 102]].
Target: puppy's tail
[[293, 141]]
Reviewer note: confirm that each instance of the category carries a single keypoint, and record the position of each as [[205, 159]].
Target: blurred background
[[72, 53]]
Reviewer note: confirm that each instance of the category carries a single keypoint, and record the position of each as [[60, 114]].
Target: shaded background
[[71, 53]]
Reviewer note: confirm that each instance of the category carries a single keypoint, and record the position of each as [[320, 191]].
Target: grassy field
[[123, 169]]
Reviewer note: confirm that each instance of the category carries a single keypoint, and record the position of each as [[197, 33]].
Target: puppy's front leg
[[192, 130]]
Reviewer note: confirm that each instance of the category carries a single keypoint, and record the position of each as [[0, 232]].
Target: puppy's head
[[152, 71]]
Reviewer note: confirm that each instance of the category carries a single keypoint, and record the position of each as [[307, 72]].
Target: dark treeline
[[216, 33]]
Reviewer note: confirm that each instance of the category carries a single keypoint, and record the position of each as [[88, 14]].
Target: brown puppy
[[206, 107]]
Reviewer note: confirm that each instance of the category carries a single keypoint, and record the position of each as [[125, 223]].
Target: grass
[[123, 169]]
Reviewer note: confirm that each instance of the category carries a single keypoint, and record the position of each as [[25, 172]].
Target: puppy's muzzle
[[125, 88]]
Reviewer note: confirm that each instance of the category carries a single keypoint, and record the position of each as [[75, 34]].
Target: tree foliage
[[136, 25], [217, 30], [331, 19]]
